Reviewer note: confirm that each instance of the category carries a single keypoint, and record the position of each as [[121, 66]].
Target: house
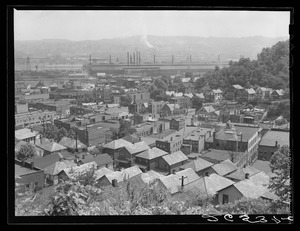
[[177, 123], [263, 92], [271, 142], [112, 148], [182, 101], [150, 176], [72, 144], [242, 173], [264, 166], [50, 147], [177, 182], [212, 185], [251, 93], [201, 96], [147, 159], [104, 160], [127, 154], [215, 95], [239, 93], [156, 107], [224, 168], [208, 113], [277, 94], [45, 161], [26, 134], [101, 172], [52, 172], [199, 165], [170, 163], [151, 142], [76, 171], [119, 176], [28, 177], [251, 187], [81, 158], [172, 109]]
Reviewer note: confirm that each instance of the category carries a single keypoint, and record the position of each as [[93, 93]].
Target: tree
[[125, 128], [125, 101], [160, 84], [26, 151], [62, 132], [51, 132], [196, 102], [280, 164]]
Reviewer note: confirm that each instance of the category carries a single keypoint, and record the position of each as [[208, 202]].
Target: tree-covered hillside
[[271, 69]]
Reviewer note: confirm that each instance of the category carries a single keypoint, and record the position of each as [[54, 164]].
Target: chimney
[[114, 183], [246, 175], [32, 165], [23, 163], [276, 143]]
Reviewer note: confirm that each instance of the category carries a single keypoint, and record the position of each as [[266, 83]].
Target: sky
[[95, 25]]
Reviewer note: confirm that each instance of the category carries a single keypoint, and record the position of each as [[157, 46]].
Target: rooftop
[[216, 155], [240, 173], [137, 147], [20, 170], [197, 165], [270, 138], [103, 159], [51, 146], [116, 144], [25, 133], [71, 143], [58, 166], [150, 176], [215, 183], [153, 153], [175, 157], [101, 172], [224, 168], [262, 166]]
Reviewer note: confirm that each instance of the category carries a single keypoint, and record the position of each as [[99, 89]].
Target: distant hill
[[201, 48]]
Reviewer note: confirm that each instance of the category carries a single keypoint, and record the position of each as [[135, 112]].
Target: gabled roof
[[51, 146], [72, 172], [116, 144], [173, 106], [250, 190], [251, 91], [103, 159], [175, 157], [137, 147], [197, 165], [190, 175], [262, 165], [237, 86], [153, 153], [122, 175], [208, 109], [224, 168], [149, 176], [45, 161], [201, 95], [101, 172], [240, 173], [58, 166], [215, 183], [190, 95], [71, 143]]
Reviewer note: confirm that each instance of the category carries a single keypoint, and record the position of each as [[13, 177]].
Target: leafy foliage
[[196, 102], [280, 164], [26, 151], [125, 101], [124, 129], [279, 108]]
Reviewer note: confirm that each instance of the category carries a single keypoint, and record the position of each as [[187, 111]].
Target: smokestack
[[127, 58], [154, 59], [114, 183], [172, 59], [133, 58], [190, 58], [110, 59], [130, 59], [139, 58]]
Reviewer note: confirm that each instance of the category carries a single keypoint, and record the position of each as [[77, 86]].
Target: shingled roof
[[51, 146], [58, 166], [71, 143], [137, 147], [224, 168], [116, 144], [45, 161], [175, 157], [215, 183], [197, 165], [240, 174], [152, 153]]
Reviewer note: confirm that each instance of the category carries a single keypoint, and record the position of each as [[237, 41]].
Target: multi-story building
[[156, 107], [33, 118], [177, 123], [182, 101], [106, 94]]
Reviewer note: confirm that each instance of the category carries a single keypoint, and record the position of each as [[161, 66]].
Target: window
[[206, 173], [27, 187], [36, 184], [225, 199]]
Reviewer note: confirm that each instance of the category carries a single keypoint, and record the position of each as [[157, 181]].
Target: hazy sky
[[93, 25]]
